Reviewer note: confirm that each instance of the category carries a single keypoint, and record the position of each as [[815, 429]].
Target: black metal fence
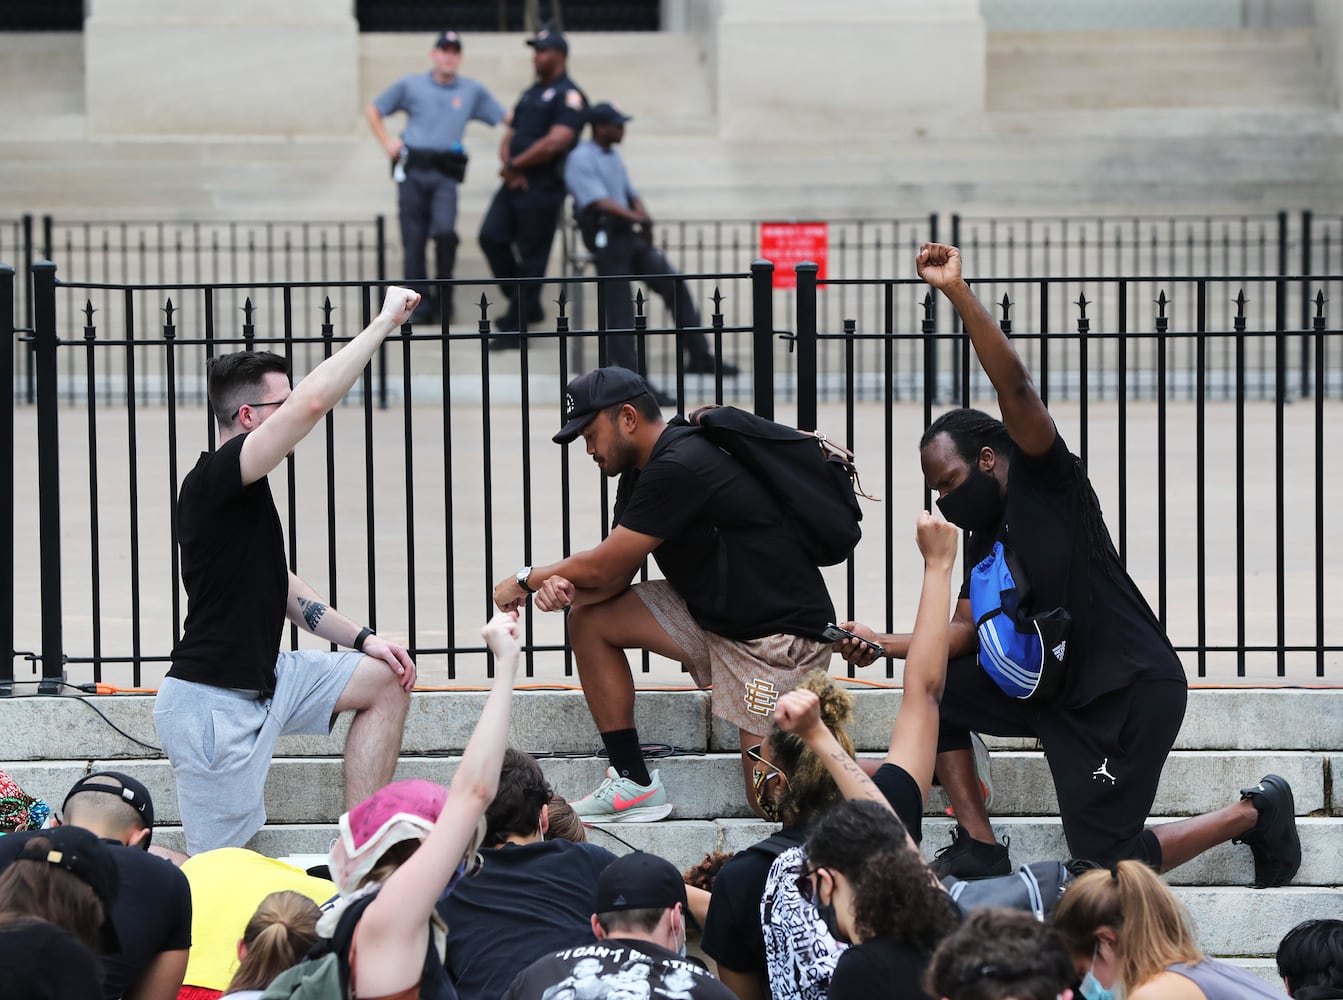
[[1207, 435]]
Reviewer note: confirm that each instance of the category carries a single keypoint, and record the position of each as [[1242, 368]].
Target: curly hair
[[895, 895], [999, 954], [701, 876], [810, 788]]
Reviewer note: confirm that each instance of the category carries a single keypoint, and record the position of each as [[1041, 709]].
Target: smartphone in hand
[[833, 633]]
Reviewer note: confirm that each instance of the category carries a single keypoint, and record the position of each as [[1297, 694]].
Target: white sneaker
[[621, 800]]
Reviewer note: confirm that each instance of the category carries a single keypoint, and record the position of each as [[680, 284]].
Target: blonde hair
[[1152, 927], [277, 937], [810, 788]]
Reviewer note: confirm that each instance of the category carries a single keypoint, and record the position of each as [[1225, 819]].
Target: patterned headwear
[[403, 810], [19, 810]]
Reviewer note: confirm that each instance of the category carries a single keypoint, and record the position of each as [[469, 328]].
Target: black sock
[[622, 747]]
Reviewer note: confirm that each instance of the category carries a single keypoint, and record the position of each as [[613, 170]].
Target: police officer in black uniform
[[520, 224]]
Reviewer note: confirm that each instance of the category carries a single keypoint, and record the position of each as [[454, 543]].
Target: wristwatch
[[521, 577]]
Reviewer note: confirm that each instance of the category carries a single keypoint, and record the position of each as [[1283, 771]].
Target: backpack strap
[[774, 845]]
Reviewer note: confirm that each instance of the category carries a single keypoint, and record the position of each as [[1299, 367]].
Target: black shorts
[[1105, 757]]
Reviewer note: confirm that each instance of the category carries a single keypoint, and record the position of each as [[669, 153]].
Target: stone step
[[1148, 69], [684, 842], [709, 786], [40, 728]]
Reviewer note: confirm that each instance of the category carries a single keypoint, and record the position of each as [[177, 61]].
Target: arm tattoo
[[312, 612]]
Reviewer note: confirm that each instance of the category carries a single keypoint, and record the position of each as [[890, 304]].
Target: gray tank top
[[1224, 981]]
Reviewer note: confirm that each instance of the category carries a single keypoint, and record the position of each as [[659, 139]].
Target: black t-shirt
[[732, 935], [1115, 637], [616, 969], [527, 901], [541, 106], [727, 548], [40, 961], [152, 912], [879, 968], [235, 574]]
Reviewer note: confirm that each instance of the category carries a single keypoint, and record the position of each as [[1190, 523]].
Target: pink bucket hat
[[403, 810]]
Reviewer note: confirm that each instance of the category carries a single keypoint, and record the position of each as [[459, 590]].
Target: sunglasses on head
[[759, 777]]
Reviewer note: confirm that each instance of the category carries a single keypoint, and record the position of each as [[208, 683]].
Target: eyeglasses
[[806, 885], [255, 406], [758, 777]]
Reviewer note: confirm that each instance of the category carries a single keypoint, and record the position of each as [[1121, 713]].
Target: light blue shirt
[[592, 173], [437, 113]]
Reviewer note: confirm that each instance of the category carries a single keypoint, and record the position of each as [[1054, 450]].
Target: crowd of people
[[488, 888]]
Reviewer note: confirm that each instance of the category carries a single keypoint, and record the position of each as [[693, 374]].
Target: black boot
[[445, 260]]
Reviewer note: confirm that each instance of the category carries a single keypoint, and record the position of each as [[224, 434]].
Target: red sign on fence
[[790, 243]]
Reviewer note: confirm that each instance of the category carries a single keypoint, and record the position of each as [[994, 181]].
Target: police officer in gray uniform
[[428, 160], [618, 232], [520, 224]]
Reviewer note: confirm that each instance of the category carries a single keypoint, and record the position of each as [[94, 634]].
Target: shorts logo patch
[[1102, 773], [760, 697]]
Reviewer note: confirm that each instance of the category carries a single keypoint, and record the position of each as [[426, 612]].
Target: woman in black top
[[876, 893]]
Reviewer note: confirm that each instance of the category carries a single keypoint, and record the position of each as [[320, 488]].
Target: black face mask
[[975, 505], [826, 911]]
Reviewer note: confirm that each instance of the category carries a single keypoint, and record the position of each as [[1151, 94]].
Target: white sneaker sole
[[639, 814]]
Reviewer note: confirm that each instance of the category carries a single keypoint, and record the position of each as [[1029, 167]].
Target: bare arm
[[394, 931], [799, 712], [308, 611], [1028, 422], [266, 446], [608, 568], [390, 144], [961, 638], [161, 978], [555, 143], [745, 984], [913, 745], [699, 903]]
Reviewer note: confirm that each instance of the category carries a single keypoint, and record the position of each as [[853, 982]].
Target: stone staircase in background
[[1080, 122], [1229, 740]]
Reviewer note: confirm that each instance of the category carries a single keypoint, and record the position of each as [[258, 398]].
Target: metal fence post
[[1307, 219], [7, 325], [48, 475], [762, 334], [29, 389], [380, 228], [806, 345]]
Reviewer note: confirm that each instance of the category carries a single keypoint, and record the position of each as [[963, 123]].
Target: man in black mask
[[1069, 652]]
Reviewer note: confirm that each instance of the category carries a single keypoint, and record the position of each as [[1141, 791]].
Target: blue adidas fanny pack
[[1023, 653]]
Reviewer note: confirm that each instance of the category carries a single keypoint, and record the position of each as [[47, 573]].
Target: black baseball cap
[[639, 881], [124, 787], [605, 112], [83, 855], [449, 40], [548, 39], [587, 395]]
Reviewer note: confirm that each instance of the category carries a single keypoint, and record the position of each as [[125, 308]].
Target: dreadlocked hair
[[894, 893], [810, 788], [971, 430]]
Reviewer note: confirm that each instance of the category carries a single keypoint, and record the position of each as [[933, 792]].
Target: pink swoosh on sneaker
[[626, 803]]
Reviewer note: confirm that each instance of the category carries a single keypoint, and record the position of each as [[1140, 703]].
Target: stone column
[[847, 66], [184, 68]]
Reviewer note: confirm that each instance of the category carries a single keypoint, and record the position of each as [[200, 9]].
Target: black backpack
[[812, 478]]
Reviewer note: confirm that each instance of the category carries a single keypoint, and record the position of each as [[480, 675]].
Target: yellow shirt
[[227, 885]]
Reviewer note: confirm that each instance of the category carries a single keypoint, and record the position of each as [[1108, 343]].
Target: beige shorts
[[747, 675]]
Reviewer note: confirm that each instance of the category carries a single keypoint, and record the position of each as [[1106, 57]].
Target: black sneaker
[[1273, 840], [967, 858]]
